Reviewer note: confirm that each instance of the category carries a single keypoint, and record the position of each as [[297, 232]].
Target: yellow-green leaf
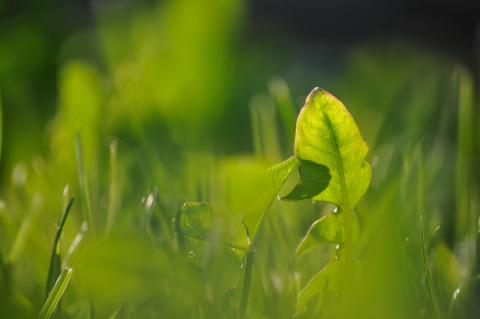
[[326, 134]]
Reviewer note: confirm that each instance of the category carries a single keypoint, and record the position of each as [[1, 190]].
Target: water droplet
[[338, 249], [191, 254], [149, 201], [66, 191], [335, 210]]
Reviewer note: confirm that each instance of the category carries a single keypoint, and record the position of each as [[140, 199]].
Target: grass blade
[[83, 181], [55, 294], [56, 258], [113, 187], [466, 222], [1, 125], [283, 101]]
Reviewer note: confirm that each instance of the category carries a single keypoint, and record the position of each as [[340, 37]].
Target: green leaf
[[200, 220], [250, 197], [55, 294], [328, 229], [326, 134], [314, 179], [269, 185]]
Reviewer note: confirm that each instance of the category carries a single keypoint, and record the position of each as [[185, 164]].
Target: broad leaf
[[326, 134], [271, 181], [328, 229], [314, 178]]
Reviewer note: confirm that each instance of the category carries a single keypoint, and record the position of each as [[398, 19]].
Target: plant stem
[[247, 277], [113, 189]]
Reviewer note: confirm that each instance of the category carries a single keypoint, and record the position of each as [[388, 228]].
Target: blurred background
[[168, 96]]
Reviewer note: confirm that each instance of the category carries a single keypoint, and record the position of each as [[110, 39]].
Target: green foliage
[[181, 196], [328, 138], [56, 258], [314, 179], [55, 294], [327, 229], [326, 134]]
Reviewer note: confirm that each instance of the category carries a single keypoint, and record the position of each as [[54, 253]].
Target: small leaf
[[326, 280], [199, 220], [328, 229], [326, 134], [314, 178]]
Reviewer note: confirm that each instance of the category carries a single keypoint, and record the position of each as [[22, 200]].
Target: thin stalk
[[428, 276], [458, 291], [83, 181], [1, 124], [113, 189], [247, 278], [55, 259], [55, 294], [281, 95], [466, 220]]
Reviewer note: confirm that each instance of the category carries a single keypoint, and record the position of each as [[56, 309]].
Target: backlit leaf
[[326, 134]]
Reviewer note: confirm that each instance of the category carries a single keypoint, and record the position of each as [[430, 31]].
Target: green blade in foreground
[[55, 258], [326, 134], [55, 294]]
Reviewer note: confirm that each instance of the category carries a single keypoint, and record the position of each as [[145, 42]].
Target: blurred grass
[[169, 110]]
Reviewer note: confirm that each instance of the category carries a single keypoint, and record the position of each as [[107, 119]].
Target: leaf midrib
[[345, 201]]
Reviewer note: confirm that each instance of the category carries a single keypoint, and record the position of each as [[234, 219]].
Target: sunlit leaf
[[326, 134], [56, 294]]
